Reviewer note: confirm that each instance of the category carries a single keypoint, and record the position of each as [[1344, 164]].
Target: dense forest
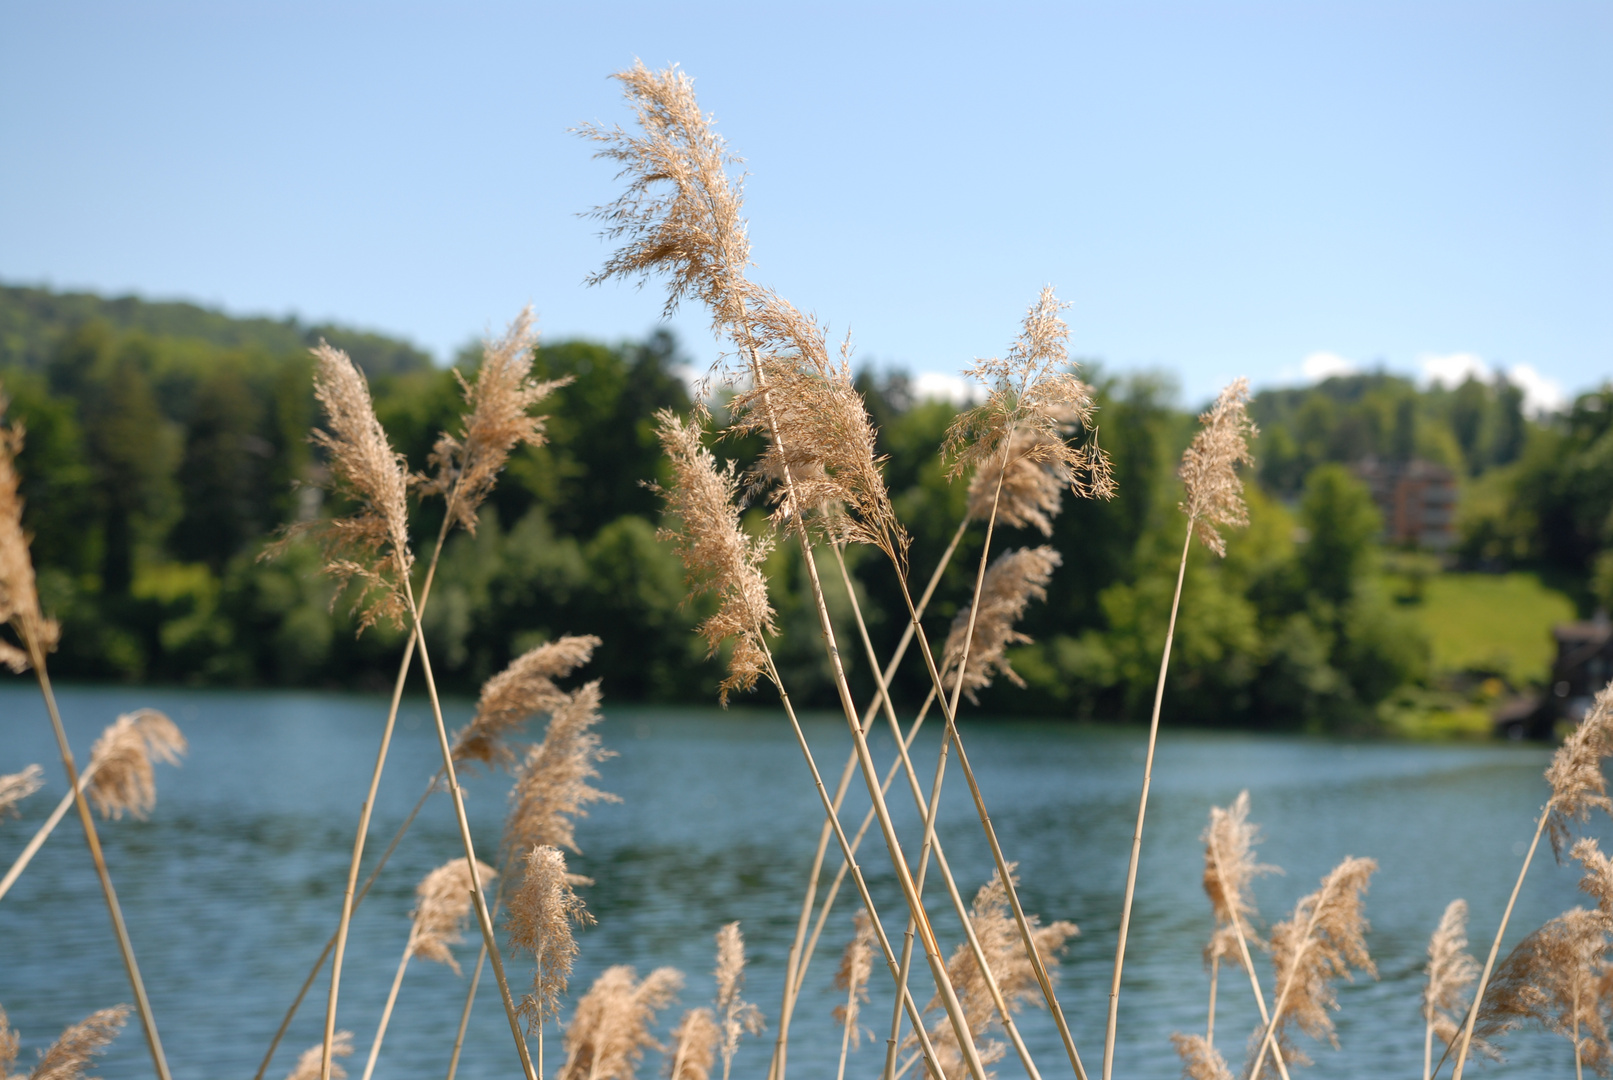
[[167, 443]]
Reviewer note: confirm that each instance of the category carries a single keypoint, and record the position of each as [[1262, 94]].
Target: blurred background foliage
[[167, 442]]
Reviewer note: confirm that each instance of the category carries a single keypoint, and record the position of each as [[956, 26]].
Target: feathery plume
[[1013, 580], [1575, 772], [541, 913], [498, 421], [1598, 879], [308, 1066], [1209, 468], [1320, 942], [442, 905], [1033, 401], [1450, 971], [694, 1046], [1003, 948], [121, 775], [610, 1029], [551, 785], [1229, 867], [71, 1055], [1033, 482], [14, 788], [522, 690], [10, 1043], [1200, 1060], [19, 600], [718, 555], [736, 1015], [1552, 978], [856, 965], [370, 545]]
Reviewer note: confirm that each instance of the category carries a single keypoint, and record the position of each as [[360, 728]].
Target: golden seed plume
[[122, 779], [1012, 581], [1033, 402], [10, 1044], [736, 1015], [694, 1046], [1229, 868], [551, 784], [610, 1029], [370, 545], [541, 914], [1209, 468], [1200, 1060], [70, 1056], [1033, 482], [309, 1065], [1553, 978], [856, 965], [1004, 951], [522, 690], [1321, 942], [442, 906], [19, 599], [499, 420], [1598, 879], [14, 788], [1450, 972], [719, 557], [1575, 772]]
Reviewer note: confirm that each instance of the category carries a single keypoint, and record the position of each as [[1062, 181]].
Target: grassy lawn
[[1493, 622]]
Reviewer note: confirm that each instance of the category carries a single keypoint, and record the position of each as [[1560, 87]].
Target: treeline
[[167, 443]]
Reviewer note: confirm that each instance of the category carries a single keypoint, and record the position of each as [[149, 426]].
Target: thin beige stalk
[[470, 1000], [386, 1013], [1215, 978], [1142, 809], [43, 833]]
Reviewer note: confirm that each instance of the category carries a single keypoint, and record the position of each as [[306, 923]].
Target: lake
[[234, 884]]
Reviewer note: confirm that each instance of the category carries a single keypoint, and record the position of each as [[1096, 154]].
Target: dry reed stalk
[[540, 917], [1450, 970], [15, 787], [610, 1029], [735, 1015], [1553, 978], [1200, 1059], [37, 636], [694, 1043], [441, 908], [856, 965], [1209, 473], [1320, 942], [70, 1056], [310, 1064], [1577, 786]]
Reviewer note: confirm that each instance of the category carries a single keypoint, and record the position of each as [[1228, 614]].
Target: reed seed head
[[522, 690], [122, 779], [309, 1066], [467, 466], [1033, 402], [1321, 942], [1598, 879], [19, 599], [1032, 484], [1553, 978], [1209, 469], [70, 1056], [1229, 868], [1575, 772], [694, 1046], [719, 557], [1012, 581], [14, 788], [542, 912], [551, 784], [10, 1044], [442, 905], [1450, 972], [856, 965], [737, 1016], [610, 1029], [1200, 1060]]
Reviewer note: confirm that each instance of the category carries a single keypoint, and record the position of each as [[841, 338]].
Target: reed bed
[[817, 485]]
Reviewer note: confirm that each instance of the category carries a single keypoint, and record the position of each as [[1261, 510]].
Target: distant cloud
[[1319, 366], [1540, 394], [934, 386]]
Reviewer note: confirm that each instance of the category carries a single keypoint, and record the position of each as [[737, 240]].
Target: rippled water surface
[[233, 885]]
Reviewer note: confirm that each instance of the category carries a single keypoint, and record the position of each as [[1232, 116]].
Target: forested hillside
[[167, 443]]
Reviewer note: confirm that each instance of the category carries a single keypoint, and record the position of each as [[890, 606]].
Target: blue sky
[[1277, 190]]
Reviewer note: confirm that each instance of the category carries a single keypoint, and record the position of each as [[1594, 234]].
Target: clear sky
[[1279, 190]]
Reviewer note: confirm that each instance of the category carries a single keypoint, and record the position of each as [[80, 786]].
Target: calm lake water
[[234, 884]]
